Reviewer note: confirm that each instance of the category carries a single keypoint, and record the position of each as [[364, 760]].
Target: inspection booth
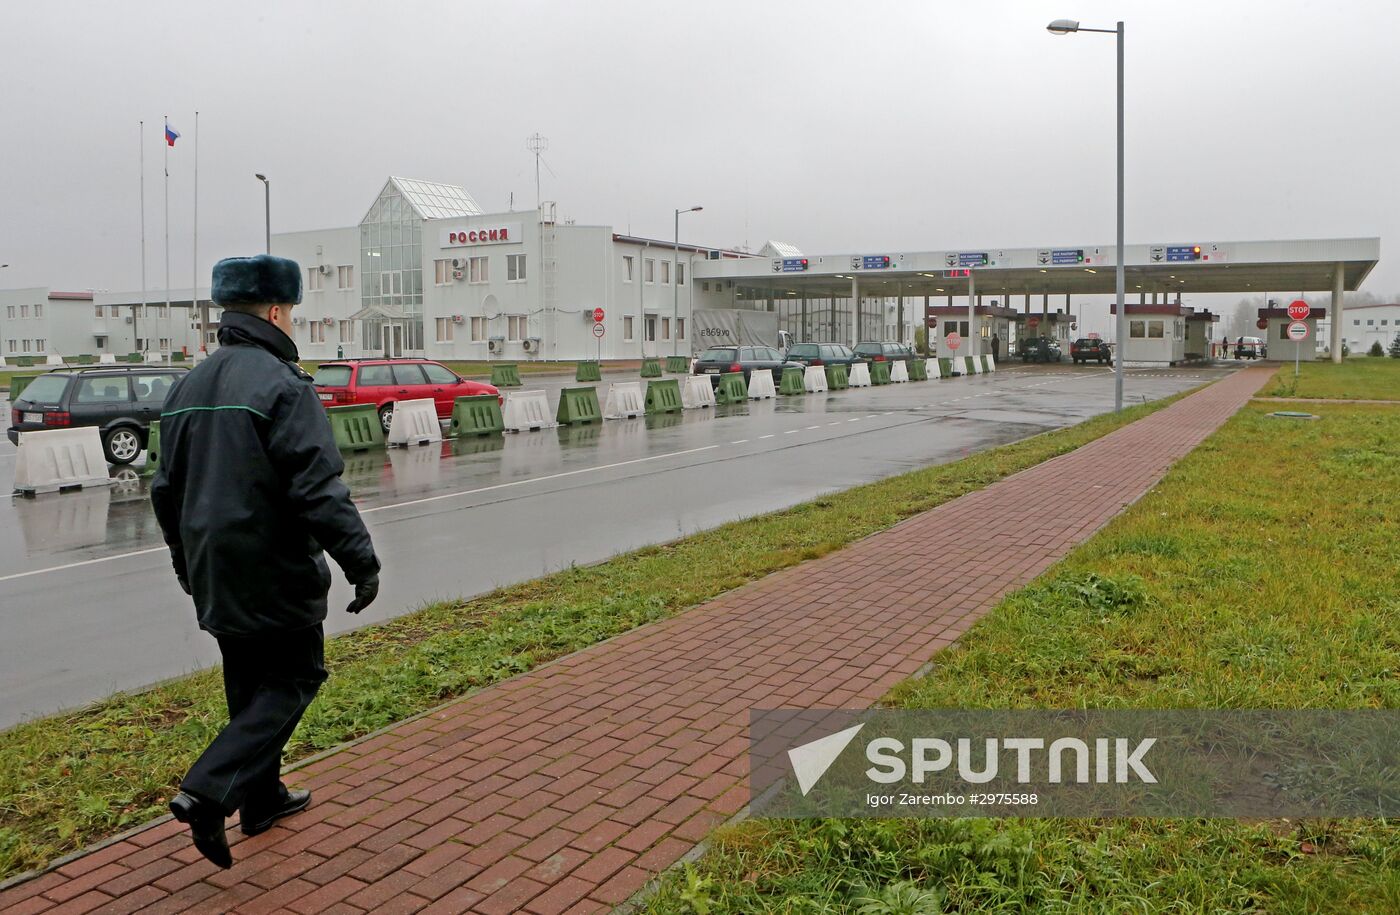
[[1278, 348], [942, 320], [1199, 334], [1156, 332]]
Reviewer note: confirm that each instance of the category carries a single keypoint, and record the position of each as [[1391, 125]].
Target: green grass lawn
[[1261, 573], [70, 779], [1357, 378]]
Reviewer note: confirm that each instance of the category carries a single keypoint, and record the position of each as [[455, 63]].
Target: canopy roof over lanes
[[1301, 265]]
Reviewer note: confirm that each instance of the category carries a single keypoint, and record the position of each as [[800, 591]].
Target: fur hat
[[259, 280]]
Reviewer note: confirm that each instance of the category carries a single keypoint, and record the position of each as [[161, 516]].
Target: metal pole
[[194, 275], [676, 287], [143, 237], [971, 311], [267, 213], [1119, 281]]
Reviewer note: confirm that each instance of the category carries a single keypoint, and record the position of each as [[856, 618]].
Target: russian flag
[[171, 134]]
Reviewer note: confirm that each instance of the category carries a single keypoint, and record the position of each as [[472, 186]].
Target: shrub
[[1376, 349]]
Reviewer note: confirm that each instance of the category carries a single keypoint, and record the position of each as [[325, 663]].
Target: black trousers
[[269, 680]]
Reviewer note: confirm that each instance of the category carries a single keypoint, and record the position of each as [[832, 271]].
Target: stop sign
[[1262, 324], [1299, 310], [597, 316], [1032, 321], [954, 340]]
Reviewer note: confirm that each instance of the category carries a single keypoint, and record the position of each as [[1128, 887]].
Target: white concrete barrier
[[899, 372], [106, 358], [625, 401], [697, 392], [761, 385], [53, 360], [414, 422], [54, 459], [2, 363], [959, 364], [860, 375], [526, 411], [934, 371], [814, 379], [991, 363], [974, 365], [152, 357]]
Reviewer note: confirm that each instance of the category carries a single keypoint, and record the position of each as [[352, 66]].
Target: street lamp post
[[676, 284], [1064, 27], [267, 209]]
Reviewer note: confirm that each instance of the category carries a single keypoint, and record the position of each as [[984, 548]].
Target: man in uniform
[[248, 494]]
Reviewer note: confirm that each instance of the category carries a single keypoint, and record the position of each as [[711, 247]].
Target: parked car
[[1091, 349], [1040, 349], [382, 382], [120, 401], [720, 360], [823, 354], [885, 352], [1250, 348]]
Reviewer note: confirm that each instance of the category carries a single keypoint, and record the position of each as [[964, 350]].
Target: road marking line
[[835, 422], [853, 419], [762, 437], [380, 508], [810, 428], [791, 431], [739, 442]]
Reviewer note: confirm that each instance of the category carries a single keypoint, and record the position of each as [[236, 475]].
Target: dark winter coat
[[248, 492]]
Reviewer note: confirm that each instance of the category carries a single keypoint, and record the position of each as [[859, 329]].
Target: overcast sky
[[837, 126]]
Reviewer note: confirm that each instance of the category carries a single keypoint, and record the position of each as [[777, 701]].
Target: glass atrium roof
[[436, 201]]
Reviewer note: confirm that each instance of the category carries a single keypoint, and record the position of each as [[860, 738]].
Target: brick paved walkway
[[567, 788]]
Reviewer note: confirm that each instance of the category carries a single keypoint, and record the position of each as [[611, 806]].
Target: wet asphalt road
[[88, 605]]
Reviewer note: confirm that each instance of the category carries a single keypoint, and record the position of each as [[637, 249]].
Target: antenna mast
[[537, 144]]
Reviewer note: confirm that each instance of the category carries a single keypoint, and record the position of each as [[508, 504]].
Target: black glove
[[365, 593]]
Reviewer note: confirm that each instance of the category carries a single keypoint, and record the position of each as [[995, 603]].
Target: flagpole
[[167, 218], [194, 281], [142, 144]]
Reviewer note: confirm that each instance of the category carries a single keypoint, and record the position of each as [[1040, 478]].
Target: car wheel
[[386, 417], [121, 445]]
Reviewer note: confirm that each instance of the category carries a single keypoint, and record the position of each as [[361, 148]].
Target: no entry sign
[[598, 317], [1299, 310], [1297, 331], [954, 340], [598, 330]]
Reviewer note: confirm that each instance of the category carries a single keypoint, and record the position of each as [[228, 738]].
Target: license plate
[[33, 417], [711, 371], [326, 397]]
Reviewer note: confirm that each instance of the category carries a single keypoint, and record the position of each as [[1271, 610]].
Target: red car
[[383, 381]]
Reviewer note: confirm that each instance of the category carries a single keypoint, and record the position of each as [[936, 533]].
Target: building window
[[680, 328], [649, 270], [515, 268], [24, 311], [12, 345], [680, 273], [347, 331], [478, 329], [156, 311], [442, 272], [627, 267], [480, 270], [99, 311], [665, 273], [444, 330], [313, 279], [318, 332], [39, 346], [1154, 330], [140, 344], [345, 277], [515, 328], [1369, 322], [649, 327], [1356, 322], [627, 333], [9, 311], [38, 311], [391, 282], [665, 328]]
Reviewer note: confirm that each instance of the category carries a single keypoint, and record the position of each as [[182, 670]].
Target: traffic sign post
[[1297, 332], [598, 331], [1299, 310], [954, 340]]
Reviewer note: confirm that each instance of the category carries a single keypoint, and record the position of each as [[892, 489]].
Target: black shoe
[[206, 824], [292, 801]]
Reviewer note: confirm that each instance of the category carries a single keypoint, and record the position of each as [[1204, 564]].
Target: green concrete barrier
[[174, 357], [664, 396], [791, 382], [479, 414], [588, 371], [134, 357], [918, 370], [152, 450], [651, 368], [945, 367], [17, 385], [677, 365], [837, 378], [505, 375], [86, 359], [356, 427], [577, 406], [24, 362], [879, 373], [732, 389]]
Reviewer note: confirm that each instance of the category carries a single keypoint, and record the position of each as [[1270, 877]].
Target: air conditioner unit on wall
[[298, 320], [458, 263], [456, 274], [324, 270], [532, 344], [329, 322], [459, 319], [496, 344]]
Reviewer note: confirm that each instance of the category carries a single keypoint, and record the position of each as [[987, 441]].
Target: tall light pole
[[676, 284], [267, 209], [1064, 27]]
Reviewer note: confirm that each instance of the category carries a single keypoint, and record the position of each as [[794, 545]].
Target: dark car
[[718, 361], [1039, 349], [381, 382], [1091, 349], [121, 402], [885, 352], [823, 354]]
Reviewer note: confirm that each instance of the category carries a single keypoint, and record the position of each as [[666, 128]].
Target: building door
[[393, 341]]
